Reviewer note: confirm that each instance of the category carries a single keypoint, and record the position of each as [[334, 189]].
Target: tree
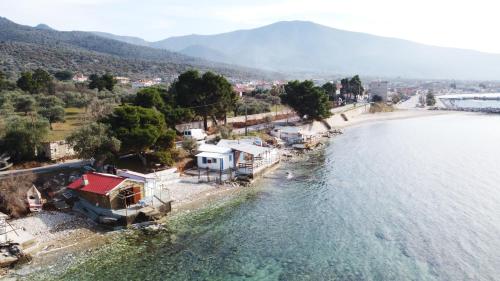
[[106, 81], [137, 128], [23, 137], [377, 98], [94, 141], [95, 82], [190, 145], [99, 108], [64, 75], [306, 99], [150, 98], [5, 84], [52, 114], [109, 81], [210, 95], [430, 100], [25, 103], [25, 82], [356, 86], [331, 90], [37, 82], [218, 91], [52, 108]]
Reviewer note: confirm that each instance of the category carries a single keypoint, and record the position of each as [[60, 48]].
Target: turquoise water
[[415, 199]]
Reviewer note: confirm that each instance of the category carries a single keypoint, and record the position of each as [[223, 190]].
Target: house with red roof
[[108, 191]]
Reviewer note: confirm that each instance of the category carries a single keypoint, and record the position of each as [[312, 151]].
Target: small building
[[122, 80], [249, 158], [295, 135], [215, 157], [56, 150], [155, 184], [79, 77], [108, 191]]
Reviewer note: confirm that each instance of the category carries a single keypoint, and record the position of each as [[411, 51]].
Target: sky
[[458, 23]]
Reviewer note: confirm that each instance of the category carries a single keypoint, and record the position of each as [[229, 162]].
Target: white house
[[250, 158], [215, 157], [122, 80], [79, 77]]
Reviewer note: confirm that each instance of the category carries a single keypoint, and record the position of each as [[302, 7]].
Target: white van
[[197, 134]]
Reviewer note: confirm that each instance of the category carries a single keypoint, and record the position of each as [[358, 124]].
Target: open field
[[73, 120]]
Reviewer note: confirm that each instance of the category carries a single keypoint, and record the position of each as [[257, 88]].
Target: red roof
[[97, 183]]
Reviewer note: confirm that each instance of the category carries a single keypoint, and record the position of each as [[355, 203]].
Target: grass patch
[[73, 120]]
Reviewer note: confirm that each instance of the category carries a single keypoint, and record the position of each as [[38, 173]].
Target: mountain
[[126, 39], [298, 46], [44, 26], [24, 47]]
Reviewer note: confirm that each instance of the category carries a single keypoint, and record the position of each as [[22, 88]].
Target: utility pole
[[246, 119]]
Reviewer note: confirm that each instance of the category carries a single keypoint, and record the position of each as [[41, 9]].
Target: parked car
[[197, 134]]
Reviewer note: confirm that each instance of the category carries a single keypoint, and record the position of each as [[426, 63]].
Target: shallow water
[[415, 199]]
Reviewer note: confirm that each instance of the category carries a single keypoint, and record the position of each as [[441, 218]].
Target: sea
[[412, 199]]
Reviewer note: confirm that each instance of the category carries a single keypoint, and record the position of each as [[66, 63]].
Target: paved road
[[45, 169]]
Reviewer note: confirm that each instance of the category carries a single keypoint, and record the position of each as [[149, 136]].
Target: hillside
[[24, 47], [299, 46]]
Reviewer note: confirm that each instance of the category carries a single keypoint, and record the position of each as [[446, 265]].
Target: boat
[[35, 200], [4, 162], [5, 166]]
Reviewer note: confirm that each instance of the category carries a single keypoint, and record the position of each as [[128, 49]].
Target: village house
[[244, 157], [56, 150], [114, 200], [122, 80], [142, 83], [215, 157], [250, 156], [108, 191], [79, 77]]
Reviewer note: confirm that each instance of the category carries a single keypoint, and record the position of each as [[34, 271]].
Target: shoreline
[[84, 236]]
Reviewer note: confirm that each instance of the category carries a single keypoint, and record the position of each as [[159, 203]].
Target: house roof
[[128, 173], [213, 148], [210, 155], [97, 183], [251, 141], [249, 148]]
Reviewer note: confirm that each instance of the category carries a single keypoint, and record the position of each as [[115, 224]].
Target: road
[[45, 169]]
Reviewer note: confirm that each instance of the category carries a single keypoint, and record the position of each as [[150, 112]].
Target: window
[[230, 157], [204, 160], [215, 160]]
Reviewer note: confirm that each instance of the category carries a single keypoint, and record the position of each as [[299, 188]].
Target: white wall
[[216, 166]]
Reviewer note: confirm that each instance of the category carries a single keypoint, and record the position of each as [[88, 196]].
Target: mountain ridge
[[304, 46], [24, 47]]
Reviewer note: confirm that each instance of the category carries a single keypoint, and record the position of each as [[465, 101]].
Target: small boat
[[5, 166], [4, 162], [35, 200]]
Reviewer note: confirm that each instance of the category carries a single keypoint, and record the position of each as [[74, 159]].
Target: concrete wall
[[336, 120], [56, 150]]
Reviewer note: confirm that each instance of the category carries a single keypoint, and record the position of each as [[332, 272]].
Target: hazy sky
[[459, 23]]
